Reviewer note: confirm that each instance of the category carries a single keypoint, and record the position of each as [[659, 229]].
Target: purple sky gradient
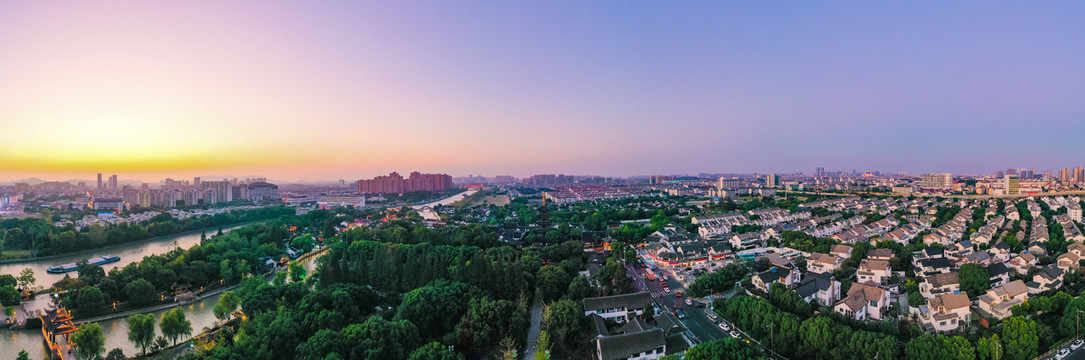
[[613, 88]]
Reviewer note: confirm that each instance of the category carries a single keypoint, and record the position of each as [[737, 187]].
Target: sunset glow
[[311, 91]]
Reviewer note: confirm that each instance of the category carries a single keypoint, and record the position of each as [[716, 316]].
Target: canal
[[116, 331], [200, 314], [129, 253]]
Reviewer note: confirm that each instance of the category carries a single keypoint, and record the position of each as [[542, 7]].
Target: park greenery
[[400, 290]]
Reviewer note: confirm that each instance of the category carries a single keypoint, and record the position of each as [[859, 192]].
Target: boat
[[101, 260]]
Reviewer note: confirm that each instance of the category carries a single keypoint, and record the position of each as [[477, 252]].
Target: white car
[[725, 327], [1077, 344], [736, 335], [689, 302], [1064, 352]]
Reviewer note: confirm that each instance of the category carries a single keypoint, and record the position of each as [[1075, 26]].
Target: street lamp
[[771, 349], [1077, 324], [998, 350]]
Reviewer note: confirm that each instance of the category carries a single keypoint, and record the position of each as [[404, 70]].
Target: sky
[[345, 90]]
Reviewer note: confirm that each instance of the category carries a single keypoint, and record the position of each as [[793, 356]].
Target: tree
[[116, 354], [174, 325], [9, 296], [1019, 338], [718, 281], [227, 303], [553, 282], [723, 349], [579, 289], [90, 298], [487, 321], [26, 279], [974, 279], [297, 272], [91, 274], [89, 341], [23, 355], [6, 280], [564, 320], [303, 243], [542, 345], [140, 292], [434, 351], [436, 309], [141, 331]]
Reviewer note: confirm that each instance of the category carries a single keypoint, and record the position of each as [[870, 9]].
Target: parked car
[[712, 316], [1063, 353], [1077, 344], [724, 326], [736, 335]]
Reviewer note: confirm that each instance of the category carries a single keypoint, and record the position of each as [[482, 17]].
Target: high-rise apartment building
[[1013, 184], [395, 183], [819, 172], [936, 181], [218, 191], [113, 182], [99, 182], [772, 180], [659, 179]]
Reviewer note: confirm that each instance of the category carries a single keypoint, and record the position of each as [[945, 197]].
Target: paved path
[[536, 325], [151, 309]]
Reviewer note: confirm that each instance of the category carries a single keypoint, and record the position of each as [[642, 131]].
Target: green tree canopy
[[174, 325], [140, 292], [89, 341], [974, 279], [141, 330]]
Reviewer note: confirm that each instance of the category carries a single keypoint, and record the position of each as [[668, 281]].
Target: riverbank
[[150, 309], [130, 243]]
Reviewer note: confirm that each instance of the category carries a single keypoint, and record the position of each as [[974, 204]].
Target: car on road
[[689, 302], [680, 314], [712, 316], [666, 289], [664, 277], [679, 277], [735, 334], [1063, 353], [677, 294], [724, 326], [1077, 344]]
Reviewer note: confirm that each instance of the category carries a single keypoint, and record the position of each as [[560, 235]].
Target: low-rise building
[[1048, 278], [823, 263], [875, 271], [787, 276], [864, 301], [648, 344], [946, 312], [819, 287], [998, 301], [940, 283], [619, 308]]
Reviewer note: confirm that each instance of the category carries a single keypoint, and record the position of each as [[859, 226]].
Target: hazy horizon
[[350, 90]]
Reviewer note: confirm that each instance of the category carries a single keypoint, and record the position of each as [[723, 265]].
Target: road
[[700, 326], [536, 326]]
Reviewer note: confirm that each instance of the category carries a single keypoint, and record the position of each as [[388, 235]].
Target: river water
[[426, 210], [116, 331], [129, 253]]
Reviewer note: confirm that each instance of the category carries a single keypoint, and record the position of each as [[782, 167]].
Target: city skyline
[[348, 91]]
